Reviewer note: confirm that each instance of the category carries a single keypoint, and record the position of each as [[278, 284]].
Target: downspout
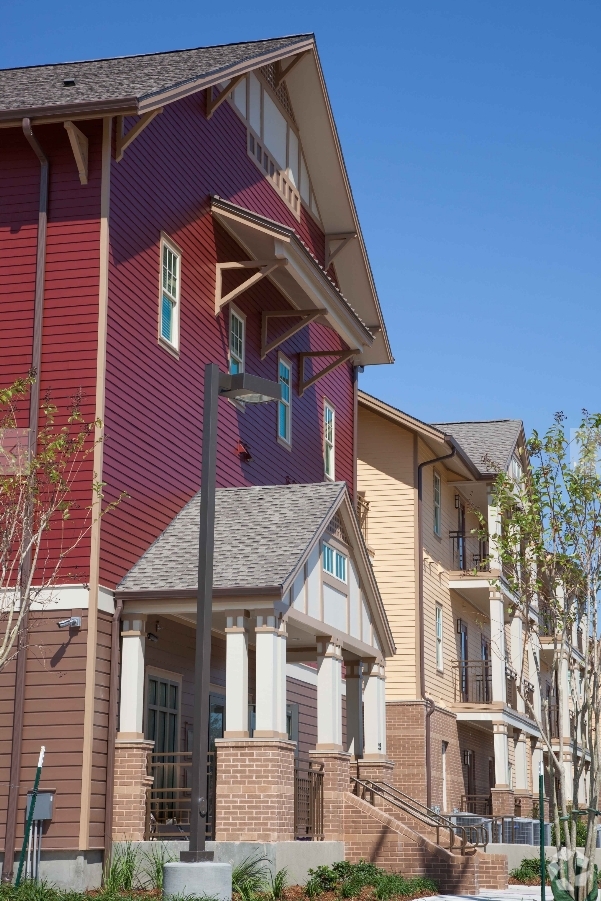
[[422, 654], [112, 732], [34, 406]]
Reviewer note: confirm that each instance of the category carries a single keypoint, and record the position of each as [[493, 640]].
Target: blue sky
[[471, 132]]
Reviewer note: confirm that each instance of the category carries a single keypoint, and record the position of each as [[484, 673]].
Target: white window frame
[[338, 556], [331, 472], [328, 551], [439, 638], [236, 314], [437, 504], [175, 299], [286, 442]]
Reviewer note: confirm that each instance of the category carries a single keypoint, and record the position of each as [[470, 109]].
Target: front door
[[463, 661]]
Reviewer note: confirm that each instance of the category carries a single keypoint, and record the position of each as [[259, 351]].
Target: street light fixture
[[247, 389]]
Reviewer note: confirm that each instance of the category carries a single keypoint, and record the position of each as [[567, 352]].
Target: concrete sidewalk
[[513, 893]]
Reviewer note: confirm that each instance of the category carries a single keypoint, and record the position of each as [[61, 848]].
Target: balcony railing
[[308, 800], [168, 799], [363, 515], [554, 722], [469, 552], [473, 681]]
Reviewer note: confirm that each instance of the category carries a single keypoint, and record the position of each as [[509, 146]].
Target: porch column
[[236, 678], [375, 713], [502, 793], [521, 764], [131, 750], [564, 675], [354, 709], [533, 656], [517, 653], [329, 695], [497, 647], [131, 709], [271, 679]]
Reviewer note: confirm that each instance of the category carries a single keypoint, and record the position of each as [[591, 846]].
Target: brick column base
[[523, 803], [131, 786], [255, 790], [376, 770], [503, 803], [336, 784]]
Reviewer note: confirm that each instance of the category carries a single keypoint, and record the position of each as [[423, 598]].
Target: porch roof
[[261, 533]]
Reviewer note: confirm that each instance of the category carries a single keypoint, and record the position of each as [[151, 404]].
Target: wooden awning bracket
[[79, 146], [265, 267], [214, 103], [306, 317], [122, 141], [280, 74], [341, 357], [343, 240]]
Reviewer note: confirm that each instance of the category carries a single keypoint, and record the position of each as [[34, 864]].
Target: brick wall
[[370, 834], [444, 728], [481, 743], [255, 790], [406, 746], [131, 784], [336, 784]]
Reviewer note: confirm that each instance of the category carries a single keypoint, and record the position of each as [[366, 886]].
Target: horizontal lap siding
[[153, 401]]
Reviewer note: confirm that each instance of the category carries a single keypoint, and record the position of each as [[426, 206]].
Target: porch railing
[[473, 681], [168, 799], [481, 805], [363, 515], [308, 800], [468, 552]]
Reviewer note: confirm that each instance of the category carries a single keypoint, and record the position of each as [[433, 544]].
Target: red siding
[[154, 402]]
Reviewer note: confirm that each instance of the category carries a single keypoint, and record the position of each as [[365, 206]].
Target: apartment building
[[452, 695]]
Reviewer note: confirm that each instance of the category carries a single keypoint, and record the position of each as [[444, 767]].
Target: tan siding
[[385, 474]]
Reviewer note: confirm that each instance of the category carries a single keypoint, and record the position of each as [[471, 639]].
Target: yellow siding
[[385, 474]]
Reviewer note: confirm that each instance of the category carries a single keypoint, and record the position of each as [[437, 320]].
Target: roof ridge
[[473, 421], [103, 59]]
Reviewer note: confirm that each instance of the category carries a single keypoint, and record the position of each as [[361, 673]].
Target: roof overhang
[[301, 279]]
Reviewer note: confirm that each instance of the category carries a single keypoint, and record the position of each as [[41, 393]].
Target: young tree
[[548, 548], [36, 503]]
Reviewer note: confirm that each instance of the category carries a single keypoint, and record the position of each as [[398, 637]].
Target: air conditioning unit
[[523, 831], [536, 833]]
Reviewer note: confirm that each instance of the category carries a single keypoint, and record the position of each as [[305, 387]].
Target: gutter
[[34, 406], [422, 672]]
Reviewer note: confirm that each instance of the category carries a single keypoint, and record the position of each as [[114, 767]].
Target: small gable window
[[169, 298], [334, 563]]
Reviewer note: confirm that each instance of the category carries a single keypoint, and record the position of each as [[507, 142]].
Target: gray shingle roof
[[489, 444], [136, 77], [261, 534]]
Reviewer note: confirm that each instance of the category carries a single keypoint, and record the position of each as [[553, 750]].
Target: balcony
[[473, 681], [362, 515], [468, 553]]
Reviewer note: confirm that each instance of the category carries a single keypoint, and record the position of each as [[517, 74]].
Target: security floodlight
[[250, 389], [74, 622]]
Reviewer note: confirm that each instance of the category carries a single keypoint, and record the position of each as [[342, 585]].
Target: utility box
[[44, 804]]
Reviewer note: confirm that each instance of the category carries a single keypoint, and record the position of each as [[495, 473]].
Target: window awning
[[298, 276]]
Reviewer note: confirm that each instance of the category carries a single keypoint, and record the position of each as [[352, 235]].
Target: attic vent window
[[69, 82]]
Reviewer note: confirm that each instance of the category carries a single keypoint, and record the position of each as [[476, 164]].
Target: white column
[[517, 653], [564, 675], [501, 755], [236, 678], [374, 701], [521, 763], [270, 719], [354, 708], [494, 529], [497, 647], [329, 695], [534, 649], [131, 706], [537, 758]]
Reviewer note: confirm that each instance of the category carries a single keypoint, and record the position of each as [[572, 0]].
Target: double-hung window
[[284, 404], [437, 497], [237, 341], [439, 637], [328, 440], [170, 292], [334, 562]]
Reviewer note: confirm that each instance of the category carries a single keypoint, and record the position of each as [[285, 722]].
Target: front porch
[[297, 674]]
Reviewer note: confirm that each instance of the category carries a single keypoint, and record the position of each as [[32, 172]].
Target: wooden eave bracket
[[343, 240], [265, 267], [341, 357], [214, 102], [122, 141], [280, 74], [306, 317], [79, 146]]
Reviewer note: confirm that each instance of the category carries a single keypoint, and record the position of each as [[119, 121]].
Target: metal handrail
[[423, 814]]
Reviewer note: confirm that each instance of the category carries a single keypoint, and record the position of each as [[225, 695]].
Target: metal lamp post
[[248, 389]]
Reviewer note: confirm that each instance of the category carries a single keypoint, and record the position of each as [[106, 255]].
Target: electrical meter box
[[43, 805]]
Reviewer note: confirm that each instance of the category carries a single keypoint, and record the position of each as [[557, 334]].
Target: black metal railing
[[168, 798], [481, 805], [469, 552], [473, 681], [308, 800], [363, 515]]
